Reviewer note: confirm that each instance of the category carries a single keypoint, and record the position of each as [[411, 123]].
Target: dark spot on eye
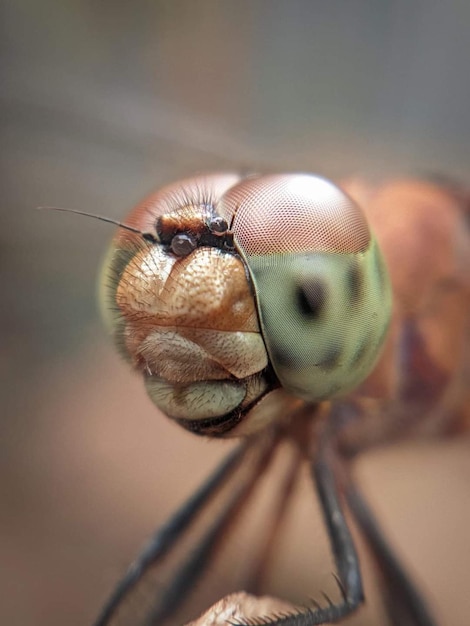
[[361, 352], [355, 283], [311, 298], [332, 357]]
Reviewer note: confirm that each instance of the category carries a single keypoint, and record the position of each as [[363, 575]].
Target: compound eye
[[183, 244], [294, 213], [218, 225], [315, 267]]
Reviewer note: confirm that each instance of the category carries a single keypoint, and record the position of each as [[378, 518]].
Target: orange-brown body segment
[[423, 230]]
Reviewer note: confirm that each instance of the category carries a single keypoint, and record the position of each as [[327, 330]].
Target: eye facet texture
[[294, 213], [315, 265]]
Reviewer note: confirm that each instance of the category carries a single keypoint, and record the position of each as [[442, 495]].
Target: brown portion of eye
[[284, 213]]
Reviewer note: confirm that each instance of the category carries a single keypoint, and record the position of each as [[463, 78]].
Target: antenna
[[146, 236]]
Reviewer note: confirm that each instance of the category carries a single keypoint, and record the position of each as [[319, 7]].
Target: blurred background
[[100, 104]]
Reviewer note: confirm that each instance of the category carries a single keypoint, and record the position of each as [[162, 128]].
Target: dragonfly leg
[[404, 603], [344, 551], [347, 562]]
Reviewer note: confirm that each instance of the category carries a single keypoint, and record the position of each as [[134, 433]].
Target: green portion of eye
[[324, 317]]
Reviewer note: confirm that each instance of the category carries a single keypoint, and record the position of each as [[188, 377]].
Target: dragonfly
[[301, 316]]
